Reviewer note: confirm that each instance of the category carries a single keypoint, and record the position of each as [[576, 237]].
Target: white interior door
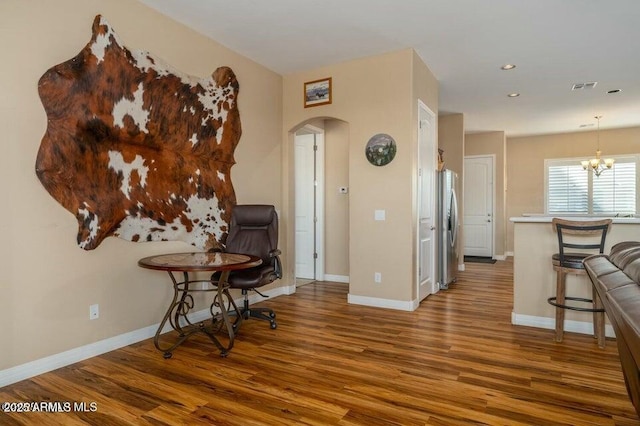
[[309, 202], [304, 205], [478, 206], [426, 187]]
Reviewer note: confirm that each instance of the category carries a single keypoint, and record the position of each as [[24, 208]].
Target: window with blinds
[[570, 189], [567, 189], [615, 192]]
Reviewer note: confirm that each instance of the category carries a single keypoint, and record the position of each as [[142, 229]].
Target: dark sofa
[[616, 278]]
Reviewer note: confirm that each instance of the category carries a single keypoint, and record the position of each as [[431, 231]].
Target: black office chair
[[254, 230]]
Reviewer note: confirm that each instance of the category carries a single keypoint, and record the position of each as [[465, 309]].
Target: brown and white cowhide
[[136, 149]]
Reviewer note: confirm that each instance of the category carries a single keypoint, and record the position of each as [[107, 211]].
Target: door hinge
[[315, 255], [315, 147]]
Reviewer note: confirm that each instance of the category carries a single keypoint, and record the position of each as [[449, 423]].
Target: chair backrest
[[596, 229], [253, 230]]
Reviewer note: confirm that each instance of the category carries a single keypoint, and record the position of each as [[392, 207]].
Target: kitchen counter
[[534, 279], [539, 218]]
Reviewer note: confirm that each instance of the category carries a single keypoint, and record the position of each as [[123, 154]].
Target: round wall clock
[[380, 149]]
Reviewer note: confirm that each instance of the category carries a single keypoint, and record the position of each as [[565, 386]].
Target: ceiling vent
[[584, 86]]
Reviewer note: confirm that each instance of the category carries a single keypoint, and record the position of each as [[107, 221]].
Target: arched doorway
[[320, 199]]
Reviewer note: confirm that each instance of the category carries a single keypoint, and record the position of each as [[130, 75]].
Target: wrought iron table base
[[182, 304]]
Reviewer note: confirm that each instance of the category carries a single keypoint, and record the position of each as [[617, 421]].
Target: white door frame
[[493, 197], [431, 117], [319, 199]]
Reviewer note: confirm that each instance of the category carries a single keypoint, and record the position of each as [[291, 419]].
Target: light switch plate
[[94, 312]]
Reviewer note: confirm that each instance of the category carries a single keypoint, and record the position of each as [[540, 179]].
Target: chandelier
[[596, 164]]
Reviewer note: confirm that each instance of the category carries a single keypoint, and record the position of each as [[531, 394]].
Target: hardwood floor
[[457, 360]]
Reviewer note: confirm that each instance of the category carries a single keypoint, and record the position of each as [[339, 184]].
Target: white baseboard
[[582, 327], [461, 267], [279, 291], [500, 257], [337, 278], [382, 303], [53, 362], [508, 254], [62, 359]]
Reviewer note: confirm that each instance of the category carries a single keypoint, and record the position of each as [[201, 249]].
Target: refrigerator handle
[[454, 216]]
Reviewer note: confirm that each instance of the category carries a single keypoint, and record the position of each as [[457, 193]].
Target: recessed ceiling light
[[507, 67], [513, 95], [614, 91]]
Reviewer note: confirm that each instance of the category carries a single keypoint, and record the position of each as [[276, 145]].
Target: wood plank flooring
[[457, 360]]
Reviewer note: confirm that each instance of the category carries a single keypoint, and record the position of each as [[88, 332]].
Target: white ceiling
[[553, 43]]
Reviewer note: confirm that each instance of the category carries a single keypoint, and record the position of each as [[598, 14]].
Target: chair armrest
[[277, 265]]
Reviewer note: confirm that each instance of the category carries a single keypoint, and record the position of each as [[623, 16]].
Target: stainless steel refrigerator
[[447, 228]]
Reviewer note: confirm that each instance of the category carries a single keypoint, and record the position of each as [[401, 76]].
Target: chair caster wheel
[[167, 355], [274, 325], [272, 315]]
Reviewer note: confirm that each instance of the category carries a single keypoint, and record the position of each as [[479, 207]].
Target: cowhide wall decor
[[137, 150]]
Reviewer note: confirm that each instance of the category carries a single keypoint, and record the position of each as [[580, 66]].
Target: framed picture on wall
[[317, 92]]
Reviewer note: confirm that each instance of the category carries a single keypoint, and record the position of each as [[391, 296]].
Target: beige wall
[[451, 139], [48, 282], [493, 143], [424, 88], [525, 163], [386, 247], [336, 205]]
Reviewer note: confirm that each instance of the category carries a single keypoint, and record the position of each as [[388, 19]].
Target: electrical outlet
[[94, 312], [377, 277]]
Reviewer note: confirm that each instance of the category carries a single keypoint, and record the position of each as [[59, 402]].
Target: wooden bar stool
[[585, 236]]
